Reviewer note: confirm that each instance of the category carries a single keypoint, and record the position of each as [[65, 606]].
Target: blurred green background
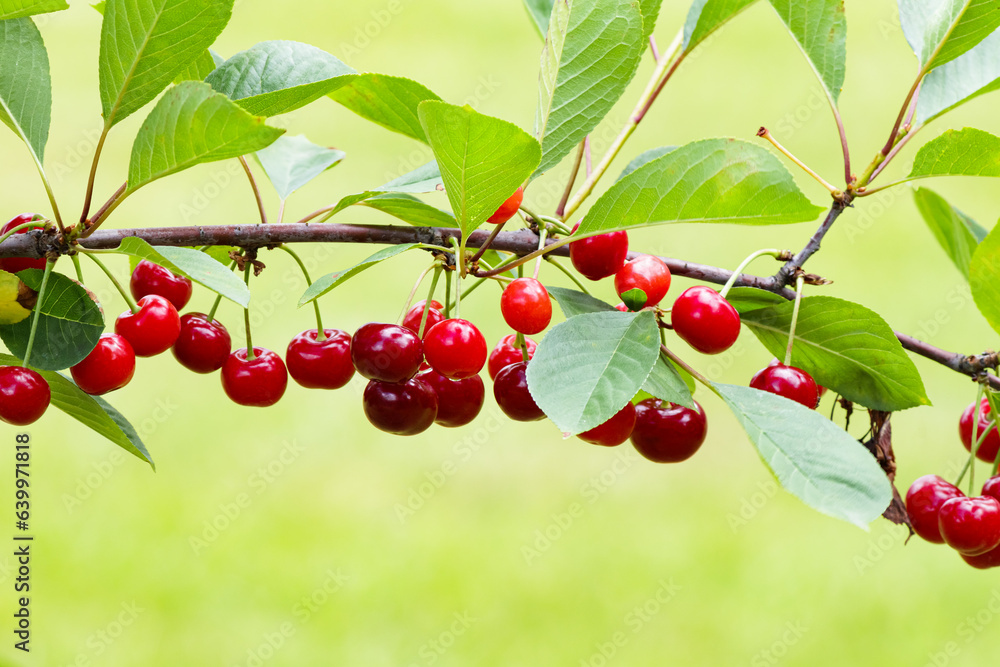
[[299, 535]]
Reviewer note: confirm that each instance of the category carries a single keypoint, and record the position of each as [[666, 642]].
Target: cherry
[[788, 381], [705, 320], [622, 307], [455, 349], [508, 208], [971, 526], [510, 389], [405, 408], [24, 395], [386, 352], [507, 352], [15, 264], [152, 330], [988, 450], [109, 366], [668, 433], [923, 502], [258, 382], [526, 306], [459, 401], [985, 561], [613, 432], [149, 278], [202, 346], [320, 364], [992, 487], [414, 315], [597, 257], [647, 273]]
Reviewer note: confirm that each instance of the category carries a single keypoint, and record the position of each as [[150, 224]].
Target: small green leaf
[[966, 152], [939, 31], [972, 74], [957, 233], [644, 158], [666, 383], [634, 299], [984, 277], [745, 299], [540, 11], [575, 303], [199, 68], [331, 280], [410, 209], [425, 178], [291, 162], [389, 101], [18, 9], [25, 85], [707, 16], [820, 29]]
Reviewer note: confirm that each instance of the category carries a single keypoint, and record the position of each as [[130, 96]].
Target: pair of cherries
[[941, 514], [660, 431]]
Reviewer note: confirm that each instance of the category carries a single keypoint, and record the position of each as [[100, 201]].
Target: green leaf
[[634, 299], [645, 158], [69, 323], [591, 53], [540, 11], [410, 209], [984, 277], [965, 152], [812, 457], [425, 178], [707, 16], [25, 85], [820, 29], [650, 10], [483, 160], [575, 303], [745, 299], [220, 253], [199, 68], [713, 180], [845, 347], [588, 367], [389, 101], [940, 31], [18, 9], [972, 74], [331, 280], [666, 383], [191, 125], [291, 162], [272, 78], [957, 233]]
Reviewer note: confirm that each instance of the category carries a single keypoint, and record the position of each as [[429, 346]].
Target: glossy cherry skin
[[109, 366], [705, 320], [923, 502], [405, 408], [455, 349], [259, 382], [508, 208], [510, 389], [788, 381], [202, 346], [386, 352], [24, 395], [992, 487], [459, 401], [149, 278], [526, 306], [988, 450], [668, 433], [154, 329], [971, 526], [647, 273], [613, 432], [415, 314], [15, 264], [598, 257], [320, 364], [506, 353], [985, 561]]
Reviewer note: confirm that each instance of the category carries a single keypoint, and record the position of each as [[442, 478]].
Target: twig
[[574, 170], [256, 190], [785, 273], [765, 134]]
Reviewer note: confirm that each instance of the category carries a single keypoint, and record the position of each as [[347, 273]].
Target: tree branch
[[786, 273]]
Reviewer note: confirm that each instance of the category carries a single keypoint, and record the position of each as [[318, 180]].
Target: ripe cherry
[[647, 273], [24, 395], [149, 278], [510, 389], [622, 307], [970, 525], [152, 330], [508, 208], [320, 364], [705, 320], [788, 381], [507, 352], [598, 257], [386, 352], [15, 264], [985, 561], [414, 315], [613, 432], [258, 382], [459, 401], [668, 433], [991, 445], [992, 487], [455, 349], [923, 502], [109, 366], [526, 306], [405, 408], [203, 345]]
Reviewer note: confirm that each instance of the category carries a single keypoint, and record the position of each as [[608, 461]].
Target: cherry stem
[[765, 134], [573, 172], [38, 310], [427, 304], [541, 245], [683, 364], [447, 297], [522, 344], [743, 265], [799, 282], [972, 454], [320, 331], [27, 225], [256, 190], [114, 281], [218, 299], [569, 274], [246, 314], [459, 272], [413, 292]]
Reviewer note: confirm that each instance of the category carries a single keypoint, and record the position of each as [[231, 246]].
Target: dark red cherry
[[506, 353], [386, 352], [320, 364], [788, 381], [985, 561], [258, 382], [459, 401], [668, 433], [971, 526], [705, 320], [15, 264], [152, 330], [508, 208], [992, 487], [414, 315], [455, 349], [510, 389], [647, 273], [924, 500], [149, 278], [109, 366], [202, 346], [526, 306], [613, 432], [598, 257], [988, 450], [24, 395], [405, 408]]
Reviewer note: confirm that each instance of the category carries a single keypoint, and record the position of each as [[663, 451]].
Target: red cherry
[[526, 306], [788, 381], [647, 273], [971, 526], [154, 329], [597, 257], [668, 433], [414, 315], [202, 346], [109, 366], [988, 450], [149, 278], [705, 320], [386, 352], [622, 307], [320, 364], [459, 401], [992, 487], [923, 502], [613, 432], [24, 395], [510, 389], [15, 264], [508, 208], [258, 382], [506, 353], [985, 561], [455, 349], [405, 408]]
